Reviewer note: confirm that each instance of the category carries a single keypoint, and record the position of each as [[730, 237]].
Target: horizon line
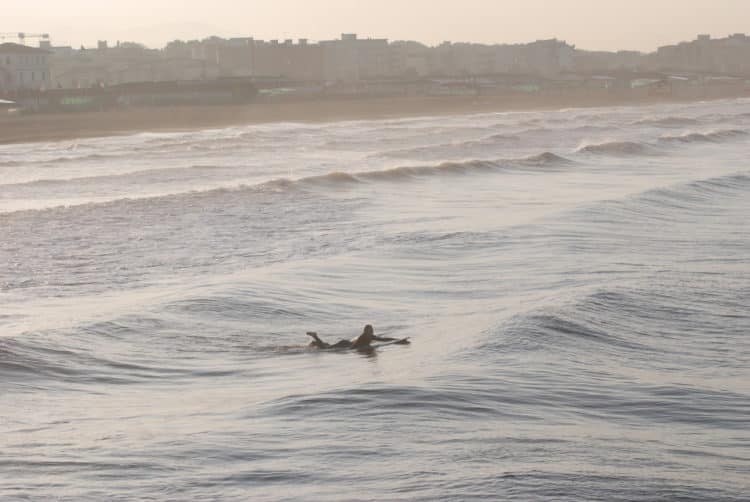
[[282, 41]]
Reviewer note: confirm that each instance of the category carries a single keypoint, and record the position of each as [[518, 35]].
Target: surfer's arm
[[401, 341], [314, 335], [317, 342]]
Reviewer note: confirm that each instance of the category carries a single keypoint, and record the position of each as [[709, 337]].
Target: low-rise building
[[23, 67], [351, 59], [705, 55], [302, 61]]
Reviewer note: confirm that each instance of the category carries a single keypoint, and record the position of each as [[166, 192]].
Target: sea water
[[575, 283]]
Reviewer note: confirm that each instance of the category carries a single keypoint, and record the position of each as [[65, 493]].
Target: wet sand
[[69, 126]]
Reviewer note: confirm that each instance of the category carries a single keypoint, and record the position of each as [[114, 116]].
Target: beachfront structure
[[347, 59], [730, 55], [302, 61], [350, 58], [355, 61], [23, 67]]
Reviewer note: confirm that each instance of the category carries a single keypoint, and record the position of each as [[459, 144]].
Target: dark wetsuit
[[362, 342]]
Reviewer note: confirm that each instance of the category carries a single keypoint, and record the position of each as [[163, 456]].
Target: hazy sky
[[589, 24]]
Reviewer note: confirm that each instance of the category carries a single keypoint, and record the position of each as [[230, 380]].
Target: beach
[[69, 126]]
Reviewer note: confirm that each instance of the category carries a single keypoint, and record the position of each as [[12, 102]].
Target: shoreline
[[71, 126]]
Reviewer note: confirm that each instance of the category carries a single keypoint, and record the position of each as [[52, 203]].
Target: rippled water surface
[[576, 285]]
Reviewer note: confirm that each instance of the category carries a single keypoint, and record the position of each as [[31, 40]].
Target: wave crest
[[667, 121], [618, 148], [546, 159], [710, 137]]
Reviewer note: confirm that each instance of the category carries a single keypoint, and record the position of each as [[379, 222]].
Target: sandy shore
[[58, 127]]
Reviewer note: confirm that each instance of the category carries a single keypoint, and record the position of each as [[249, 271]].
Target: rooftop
[[11, 48]]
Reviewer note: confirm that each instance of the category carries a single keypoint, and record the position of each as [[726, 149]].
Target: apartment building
[[23, 67]]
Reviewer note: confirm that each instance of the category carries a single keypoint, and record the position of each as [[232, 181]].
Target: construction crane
[[22, 36]]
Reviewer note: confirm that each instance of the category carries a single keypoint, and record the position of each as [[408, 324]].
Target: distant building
[[362, 63], [705, 55], [549, 57], [126, 62], [302, 61], [410, 59], [351, 59], [340, 59], [23, 67], [593, 62]]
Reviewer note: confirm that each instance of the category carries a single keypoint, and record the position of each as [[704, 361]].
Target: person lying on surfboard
[[363, 341]]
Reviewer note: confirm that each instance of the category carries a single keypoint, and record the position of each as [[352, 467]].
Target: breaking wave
[[619, 149], [710, 137], [144, 175], [451, 149], [546, 160], [78, 158], [667, 121]]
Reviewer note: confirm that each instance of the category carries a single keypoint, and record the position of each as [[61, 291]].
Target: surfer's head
[[366, 338]]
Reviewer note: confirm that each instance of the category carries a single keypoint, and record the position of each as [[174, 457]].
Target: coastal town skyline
[[351, 59], [636, 25], [47, 38]]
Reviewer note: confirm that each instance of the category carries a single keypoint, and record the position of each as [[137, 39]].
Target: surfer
[[362, 342]]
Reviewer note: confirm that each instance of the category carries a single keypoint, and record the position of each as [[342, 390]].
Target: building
[[23, 67], [548, 57], [360, 64], [410, 59], [340, 59], [705, 55], [595, 62], [351, 59], [124, 63], [287, 61]]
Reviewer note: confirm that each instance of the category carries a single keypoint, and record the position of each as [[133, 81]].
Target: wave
[[696, 195], [493, 140], [148, 175], [379, 401], [731, 182], [667, 121], [710, 137], [636, 148], [546, 160], [450, 149], [16, 360], [548, 331], [78, 158], [681, 203], [628, 322], [394, 174], [618, 149], [497, 138], [725, 117], [589, 325], [35, 361], [209, 143], [84, 355]]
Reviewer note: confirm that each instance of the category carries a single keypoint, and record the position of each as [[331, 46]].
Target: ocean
[[575, 284]]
